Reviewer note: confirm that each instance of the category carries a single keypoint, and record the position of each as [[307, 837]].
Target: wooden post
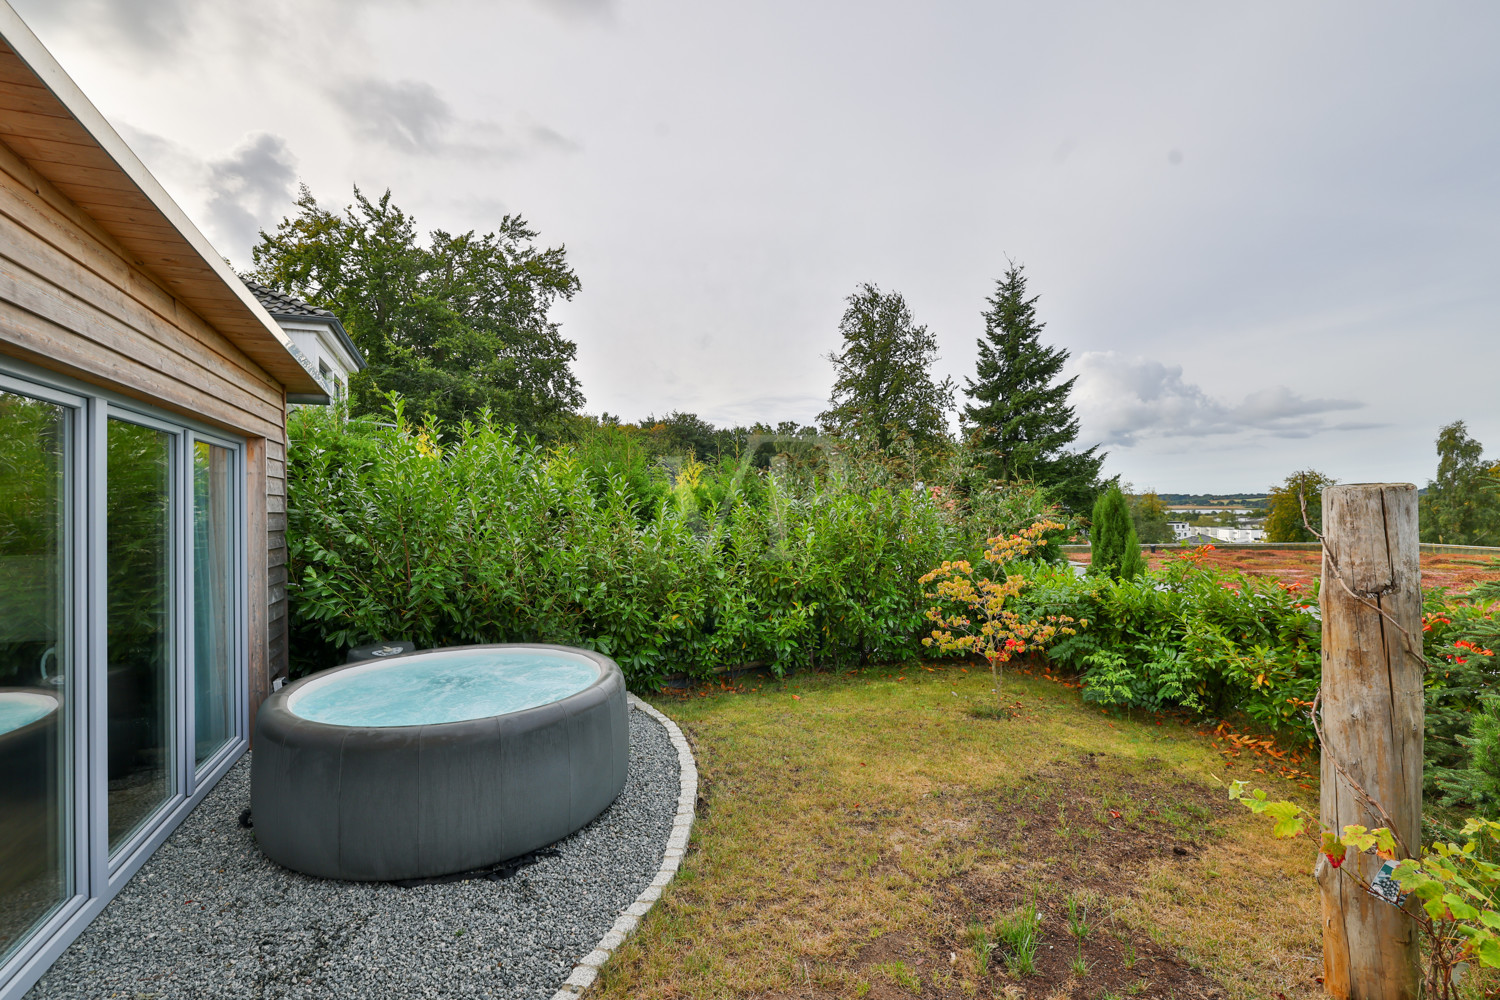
[[1372, 724]]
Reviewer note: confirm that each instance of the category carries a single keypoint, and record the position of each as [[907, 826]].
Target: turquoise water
[[443, 686], [21, 708]]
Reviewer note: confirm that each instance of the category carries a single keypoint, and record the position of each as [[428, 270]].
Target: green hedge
[[1222, 644], [478, 536], [485, 537]]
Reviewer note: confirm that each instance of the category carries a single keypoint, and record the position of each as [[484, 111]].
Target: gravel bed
[[210, 916]]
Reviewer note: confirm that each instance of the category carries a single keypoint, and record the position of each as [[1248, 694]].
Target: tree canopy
[[1284, 519], [884, 388], [1019, 414], [1149, 515], [1462, 504], [454, 323]]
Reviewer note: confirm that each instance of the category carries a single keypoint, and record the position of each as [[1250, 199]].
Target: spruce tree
[[1115, 550], [1019, 417]]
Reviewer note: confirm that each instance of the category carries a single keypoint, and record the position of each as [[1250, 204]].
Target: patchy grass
[[1457, 574], [865, 835]]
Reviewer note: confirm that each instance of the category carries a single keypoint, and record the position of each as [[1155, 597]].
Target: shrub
[[1462, 765], [1189, 636], [1116, 550], [969, 613], [1221, 644], [473, 535]]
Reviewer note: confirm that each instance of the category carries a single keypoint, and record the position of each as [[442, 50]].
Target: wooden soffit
[[47, 121]]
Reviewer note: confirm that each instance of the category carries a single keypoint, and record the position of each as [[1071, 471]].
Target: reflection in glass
[[213, 589], [34, 800], [138, 539]]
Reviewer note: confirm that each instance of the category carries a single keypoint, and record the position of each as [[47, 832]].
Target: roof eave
[[333, 323], [210, 287]]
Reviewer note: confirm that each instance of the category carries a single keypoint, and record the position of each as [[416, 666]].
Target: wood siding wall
[[73, 301]]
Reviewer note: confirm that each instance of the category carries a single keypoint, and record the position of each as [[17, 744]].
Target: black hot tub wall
[[402, 802]]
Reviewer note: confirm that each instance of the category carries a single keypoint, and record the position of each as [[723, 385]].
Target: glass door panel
[[214, 617], [35, 799], [138, 530]]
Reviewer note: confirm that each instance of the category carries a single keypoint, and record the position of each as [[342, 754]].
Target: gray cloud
[[553, 139], [408, 115], [167, 159], [411, 116], [170, 27], [250, 189], [1123, 400], [603, 9], [147, 25]]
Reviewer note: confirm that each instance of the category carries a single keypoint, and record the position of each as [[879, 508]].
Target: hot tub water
[[443, 686], [22, 708]]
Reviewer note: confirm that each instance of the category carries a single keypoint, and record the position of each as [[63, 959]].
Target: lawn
[[862, 835], [1456, 573]]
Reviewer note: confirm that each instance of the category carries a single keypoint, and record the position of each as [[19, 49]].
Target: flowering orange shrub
[[969, 614]]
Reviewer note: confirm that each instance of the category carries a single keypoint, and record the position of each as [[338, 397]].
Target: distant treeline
[[1253, 500]]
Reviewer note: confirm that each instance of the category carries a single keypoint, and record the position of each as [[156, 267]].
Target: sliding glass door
[[35, 653], [123, 645], [216, 696], [138, 526]]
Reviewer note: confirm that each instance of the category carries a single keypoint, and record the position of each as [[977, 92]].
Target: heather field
[[1454, 573]]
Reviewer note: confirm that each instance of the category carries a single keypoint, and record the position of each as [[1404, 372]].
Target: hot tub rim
[[279, 702]]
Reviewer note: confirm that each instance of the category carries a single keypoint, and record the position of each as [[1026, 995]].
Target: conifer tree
[[1115, 550], [1020, 415]]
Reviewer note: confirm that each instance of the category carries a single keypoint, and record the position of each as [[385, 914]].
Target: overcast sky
[[1268, 233]]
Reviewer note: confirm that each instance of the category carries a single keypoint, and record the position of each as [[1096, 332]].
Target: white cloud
[[1123, 400]]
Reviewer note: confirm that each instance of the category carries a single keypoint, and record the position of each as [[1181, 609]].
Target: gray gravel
[[210, 916]]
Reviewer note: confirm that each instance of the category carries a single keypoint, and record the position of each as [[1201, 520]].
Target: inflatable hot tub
[[436, 762]]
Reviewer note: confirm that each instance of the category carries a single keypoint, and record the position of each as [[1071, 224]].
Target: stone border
[[587, 969]]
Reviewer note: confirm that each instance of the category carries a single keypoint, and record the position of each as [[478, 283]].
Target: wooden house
[[143, 401]]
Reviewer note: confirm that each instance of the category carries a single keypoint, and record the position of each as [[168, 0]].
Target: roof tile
[[280, 304]]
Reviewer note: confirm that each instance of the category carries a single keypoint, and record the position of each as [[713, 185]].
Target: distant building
[[1187, 532], [327, 352], [1196, 538]]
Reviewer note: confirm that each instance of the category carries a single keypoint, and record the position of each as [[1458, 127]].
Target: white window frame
[[94, 875]]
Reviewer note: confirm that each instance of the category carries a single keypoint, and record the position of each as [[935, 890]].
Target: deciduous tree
[[1284, 519], [1461, 505], [884, 387], [455, 323], [1149, 515]]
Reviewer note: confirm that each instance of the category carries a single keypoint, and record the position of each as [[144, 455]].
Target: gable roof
[[48, 122], [284, 306]]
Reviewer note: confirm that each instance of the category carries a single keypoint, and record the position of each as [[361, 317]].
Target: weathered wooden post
[[1372, 727]]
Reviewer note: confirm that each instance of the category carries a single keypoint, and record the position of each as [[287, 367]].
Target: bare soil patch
[[1079, 833]]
